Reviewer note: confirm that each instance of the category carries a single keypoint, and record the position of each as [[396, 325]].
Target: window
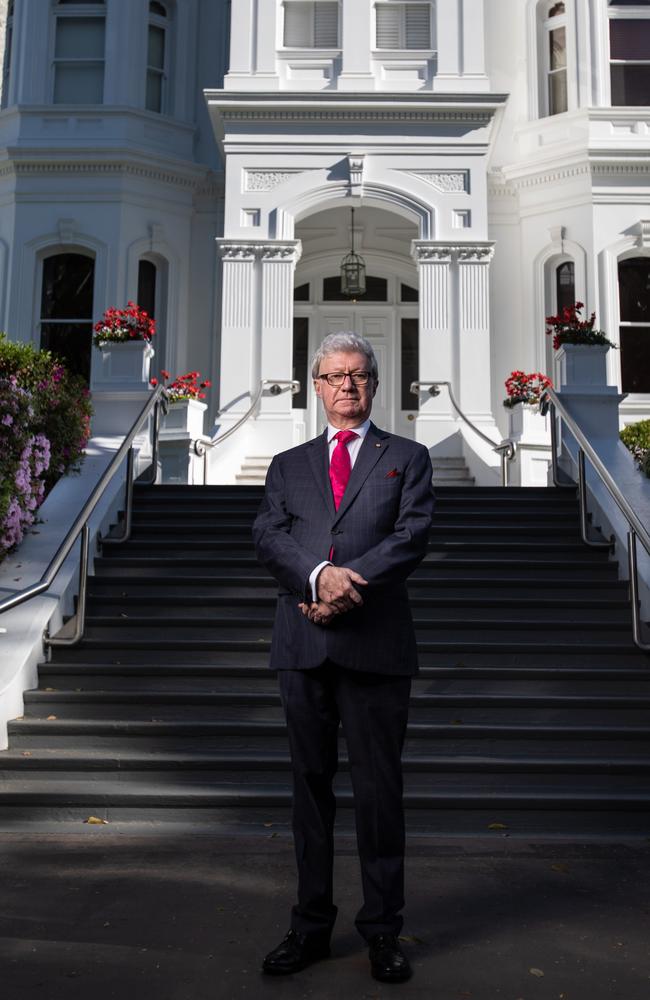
[[301, 293], [565, 285], [157, 57], [556, 98], [147, 287], [300, 360], [410, 363], [403, 25], [408, 293], [6, 64], [629, 53], [376, 290], [311, 25], [79, 54], [634, 303], [67, 309]]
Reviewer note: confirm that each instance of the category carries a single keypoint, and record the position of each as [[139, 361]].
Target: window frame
[[76, 11], [548, 26], [622, 324], [287, 4], [51, 252], [623, 12], [402, 5], [155, 20]]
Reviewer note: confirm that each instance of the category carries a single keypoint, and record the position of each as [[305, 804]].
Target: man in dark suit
[[344, 521]]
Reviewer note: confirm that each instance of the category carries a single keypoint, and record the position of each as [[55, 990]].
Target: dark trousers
[[373, 709]]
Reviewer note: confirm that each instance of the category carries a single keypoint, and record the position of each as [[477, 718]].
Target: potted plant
[[185, 394], [522, 400], [636, 438], [581, 349], [124, 338]]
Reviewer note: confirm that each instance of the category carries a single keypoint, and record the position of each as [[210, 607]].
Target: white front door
[[377, 324]]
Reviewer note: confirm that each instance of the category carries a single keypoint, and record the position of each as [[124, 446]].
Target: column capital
[[287, 251], [434, 252]]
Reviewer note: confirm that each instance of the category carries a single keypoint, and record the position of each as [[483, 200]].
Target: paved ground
[[145, 914]]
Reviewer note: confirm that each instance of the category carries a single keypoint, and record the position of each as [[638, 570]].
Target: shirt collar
[[361, 430]]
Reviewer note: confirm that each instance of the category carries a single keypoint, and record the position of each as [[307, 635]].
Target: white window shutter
[[297, 26], [388, 23], [418, 26], [326, 25]]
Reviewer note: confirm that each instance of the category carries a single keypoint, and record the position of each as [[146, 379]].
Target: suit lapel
[[319, 462], [374, 445]]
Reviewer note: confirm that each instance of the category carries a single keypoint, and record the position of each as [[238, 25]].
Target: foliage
[[60, 403], [525, 388], [184, 386], [568, 328], [119, 325], [24, 460], [636, 437]]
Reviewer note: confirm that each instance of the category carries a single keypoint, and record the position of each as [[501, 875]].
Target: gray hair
[[348, 343]]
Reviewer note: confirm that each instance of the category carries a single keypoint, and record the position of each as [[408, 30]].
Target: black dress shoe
[[388, 963], [296, 952]]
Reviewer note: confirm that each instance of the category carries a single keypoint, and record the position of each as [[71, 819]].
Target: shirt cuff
[[313, 577]]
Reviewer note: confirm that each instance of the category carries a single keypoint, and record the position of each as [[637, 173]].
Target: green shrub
[[636, 437], [60, 401]]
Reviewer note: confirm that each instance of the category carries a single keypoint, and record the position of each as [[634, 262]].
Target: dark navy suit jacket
[[380, 530]]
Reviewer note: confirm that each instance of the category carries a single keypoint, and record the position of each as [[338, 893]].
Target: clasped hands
[[336, 587]]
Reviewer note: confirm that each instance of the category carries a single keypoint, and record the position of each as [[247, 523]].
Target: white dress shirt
[[353, 447]]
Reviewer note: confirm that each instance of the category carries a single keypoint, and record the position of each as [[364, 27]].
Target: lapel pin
[[378, 444]]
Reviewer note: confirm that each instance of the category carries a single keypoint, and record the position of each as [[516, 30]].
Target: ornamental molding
[[30, 168], [478, 118], [444, 181], [643, 234], [445, 253], [267, 180], [356, 163], [286, 251]]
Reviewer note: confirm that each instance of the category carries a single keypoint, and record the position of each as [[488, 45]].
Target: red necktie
[[340, 465]]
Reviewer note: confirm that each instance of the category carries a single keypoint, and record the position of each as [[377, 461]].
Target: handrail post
[[80, 616], [634, 592], [128, 505], [582, 498]]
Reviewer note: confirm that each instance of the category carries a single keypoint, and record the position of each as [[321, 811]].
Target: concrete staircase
[[531, 710], [446, 471]]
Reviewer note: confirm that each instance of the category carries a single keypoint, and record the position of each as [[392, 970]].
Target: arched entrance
[[387, 314]]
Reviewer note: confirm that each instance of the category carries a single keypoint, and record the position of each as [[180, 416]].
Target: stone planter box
[[126, 364], [525, 422], [185, 415], [581, 367]]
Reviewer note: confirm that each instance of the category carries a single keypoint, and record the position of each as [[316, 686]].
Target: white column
[[276, 334], [356, 44], [474, 331], [266, 39], [241, 40], [238, 363], [435, 423], [473, 41], [449, 43]]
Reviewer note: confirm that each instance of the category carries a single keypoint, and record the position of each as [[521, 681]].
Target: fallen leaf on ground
[[497, 826], [50, 717], [536, 972], [268, 824], [411, 939], [96, 821], [456, 722], [26, 753], [560, 867]]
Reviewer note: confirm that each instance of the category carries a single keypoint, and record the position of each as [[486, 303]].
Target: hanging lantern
[[353, 269]]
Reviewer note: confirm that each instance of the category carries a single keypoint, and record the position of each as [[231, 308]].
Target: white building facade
[[203, 158]]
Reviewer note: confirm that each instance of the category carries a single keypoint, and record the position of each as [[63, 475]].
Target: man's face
[[347, 405]]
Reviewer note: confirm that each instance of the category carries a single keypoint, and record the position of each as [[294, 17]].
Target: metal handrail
[[637, 529], [507, 449], [155, 403], [275, 386]]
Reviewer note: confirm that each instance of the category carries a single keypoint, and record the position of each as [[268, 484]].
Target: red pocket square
[[392, 474]]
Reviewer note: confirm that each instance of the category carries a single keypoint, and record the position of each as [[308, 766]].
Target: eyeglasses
[[336, 379]]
